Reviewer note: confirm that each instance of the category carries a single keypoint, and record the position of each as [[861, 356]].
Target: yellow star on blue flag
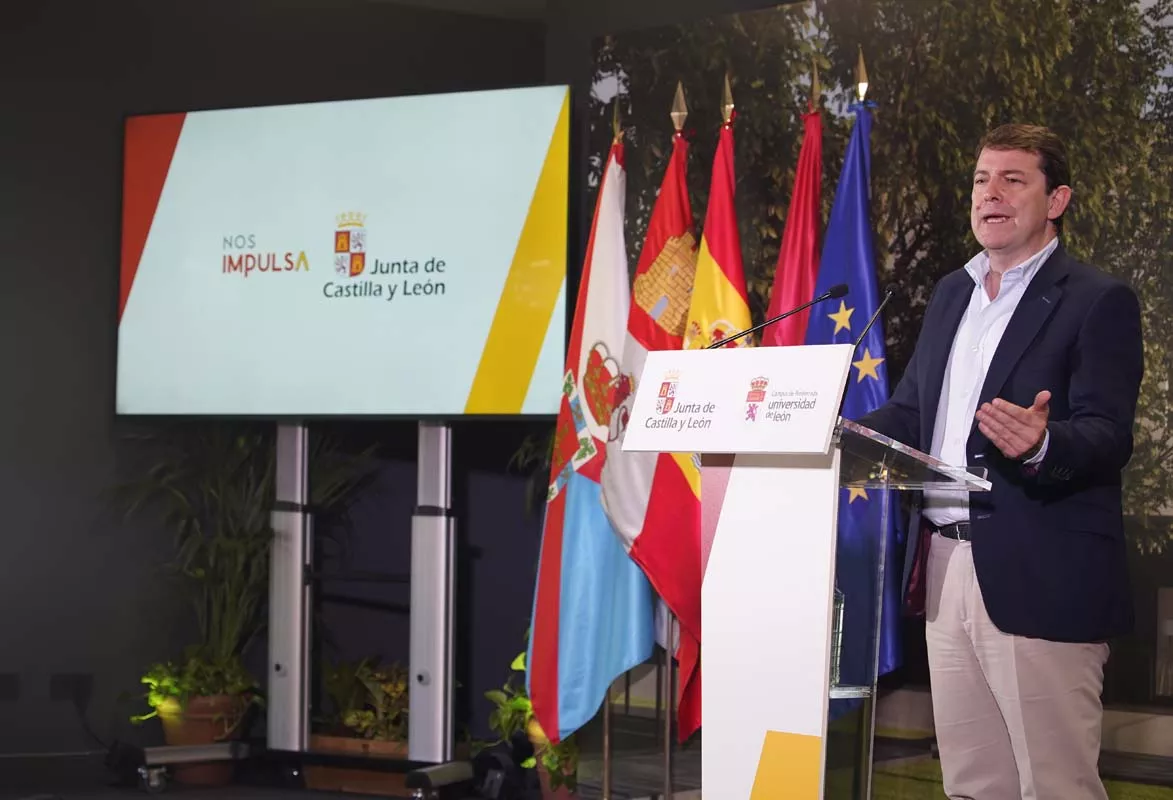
[[842, 318], [867, 366]]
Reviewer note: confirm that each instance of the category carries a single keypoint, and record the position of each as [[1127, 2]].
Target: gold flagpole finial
[[861, 77], [816, 87], [727, 101], [616, 126], [679, 108]]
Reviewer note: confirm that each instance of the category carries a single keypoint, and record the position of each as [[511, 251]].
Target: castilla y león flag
[[593, 606], [653, 499]]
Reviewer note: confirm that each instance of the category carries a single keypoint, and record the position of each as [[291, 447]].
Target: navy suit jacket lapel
[[1034, 309]]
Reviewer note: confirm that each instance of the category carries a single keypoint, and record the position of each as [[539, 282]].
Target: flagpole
[[607, 745], [861, 86], [868, 723], [678, 114], [668, 697], [861, 77], [816, 88], [617, 133]]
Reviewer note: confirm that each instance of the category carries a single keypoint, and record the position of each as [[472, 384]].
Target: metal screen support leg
[[431, 735], [289, 595]]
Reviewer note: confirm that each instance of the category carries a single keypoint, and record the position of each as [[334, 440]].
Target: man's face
[[1010, 205]]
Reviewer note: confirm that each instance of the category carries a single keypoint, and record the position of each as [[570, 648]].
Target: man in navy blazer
[[1028, 364]]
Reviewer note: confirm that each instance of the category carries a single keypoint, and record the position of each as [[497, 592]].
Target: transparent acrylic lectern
[[874, 471], [795, 503]]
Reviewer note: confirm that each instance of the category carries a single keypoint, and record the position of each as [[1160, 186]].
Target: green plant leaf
[[210, 486]]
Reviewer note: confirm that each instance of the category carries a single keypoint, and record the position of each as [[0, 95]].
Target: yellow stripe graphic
[[531, 289], [791, 767]]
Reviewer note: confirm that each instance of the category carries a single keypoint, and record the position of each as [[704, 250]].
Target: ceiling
[[509, 9]]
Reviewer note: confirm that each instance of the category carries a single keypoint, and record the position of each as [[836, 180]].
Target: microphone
[[834, 293], [889, 290]]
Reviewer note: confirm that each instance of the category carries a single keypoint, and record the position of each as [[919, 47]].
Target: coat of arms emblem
[[755, 396], [667, 396], [350, 244]]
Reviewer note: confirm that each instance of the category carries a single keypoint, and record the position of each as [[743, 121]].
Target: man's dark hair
[[1036, 139]]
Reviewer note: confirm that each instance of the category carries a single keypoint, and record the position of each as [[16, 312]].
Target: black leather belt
[[955, 530]]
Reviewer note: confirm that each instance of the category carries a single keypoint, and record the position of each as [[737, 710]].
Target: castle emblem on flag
[[664, 290], [667, 396], [350, 244], [755, 397]]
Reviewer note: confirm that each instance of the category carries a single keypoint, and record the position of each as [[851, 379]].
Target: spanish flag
[[720, 306]]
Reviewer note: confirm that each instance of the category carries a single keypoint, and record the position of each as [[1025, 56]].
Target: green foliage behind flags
[[1095, 71], [768, 57], [941, 75]]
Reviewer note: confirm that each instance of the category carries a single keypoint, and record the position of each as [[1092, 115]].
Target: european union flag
[[848, 257]]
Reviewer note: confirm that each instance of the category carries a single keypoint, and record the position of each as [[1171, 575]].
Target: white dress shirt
[[977, 339]]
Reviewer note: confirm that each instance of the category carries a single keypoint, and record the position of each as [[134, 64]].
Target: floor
[[905, 770]]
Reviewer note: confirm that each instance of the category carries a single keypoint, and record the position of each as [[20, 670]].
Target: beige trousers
[[1016, 718]]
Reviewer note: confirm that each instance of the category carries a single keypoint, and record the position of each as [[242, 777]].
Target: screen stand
[[289, 594], [431, 736]]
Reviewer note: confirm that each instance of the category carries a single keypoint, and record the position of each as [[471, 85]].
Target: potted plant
[[199, 702], [214, 485], [369, 717], [557, 764], [533, 458]]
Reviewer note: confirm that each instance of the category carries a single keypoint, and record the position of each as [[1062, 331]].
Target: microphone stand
[[835, 291], [879, 307]]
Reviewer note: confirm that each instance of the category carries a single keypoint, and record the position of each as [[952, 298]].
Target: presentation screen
[[386, 257]]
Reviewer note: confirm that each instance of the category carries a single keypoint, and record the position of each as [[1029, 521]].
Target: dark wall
[[80, 591], [571, 28], [573, 24]]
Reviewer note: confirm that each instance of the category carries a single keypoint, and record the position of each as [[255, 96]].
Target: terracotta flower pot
[[204, 720], [538, 739], [561, 793], [355, 780]]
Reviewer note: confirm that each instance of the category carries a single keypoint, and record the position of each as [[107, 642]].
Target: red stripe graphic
[[150, 146]]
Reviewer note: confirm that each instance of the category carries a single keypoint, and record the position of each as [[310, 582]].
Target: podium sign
[[775, 457], [743, 400], [763, 421]]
